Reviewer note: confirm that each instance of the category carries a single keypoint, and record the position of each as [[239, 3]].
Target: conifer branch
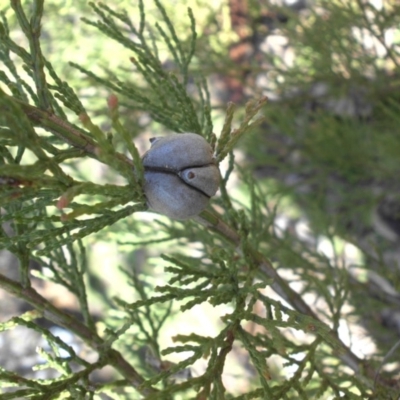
[[32, 30], [69, 133], [90, 337], [162, 61], [282, 288]]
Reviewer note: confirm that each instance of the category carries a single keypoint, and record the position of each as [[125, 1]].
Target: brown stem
[[62, 129], [282, 288], [90, 337]]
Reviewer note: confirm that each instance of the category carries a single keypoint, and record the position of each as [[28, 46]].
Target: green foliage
[[232, 258]]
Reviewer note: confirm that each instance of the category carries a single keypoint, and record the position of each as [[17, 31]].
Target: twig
[[90, 337], [385, 359], [67, 132], [281, 287]]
